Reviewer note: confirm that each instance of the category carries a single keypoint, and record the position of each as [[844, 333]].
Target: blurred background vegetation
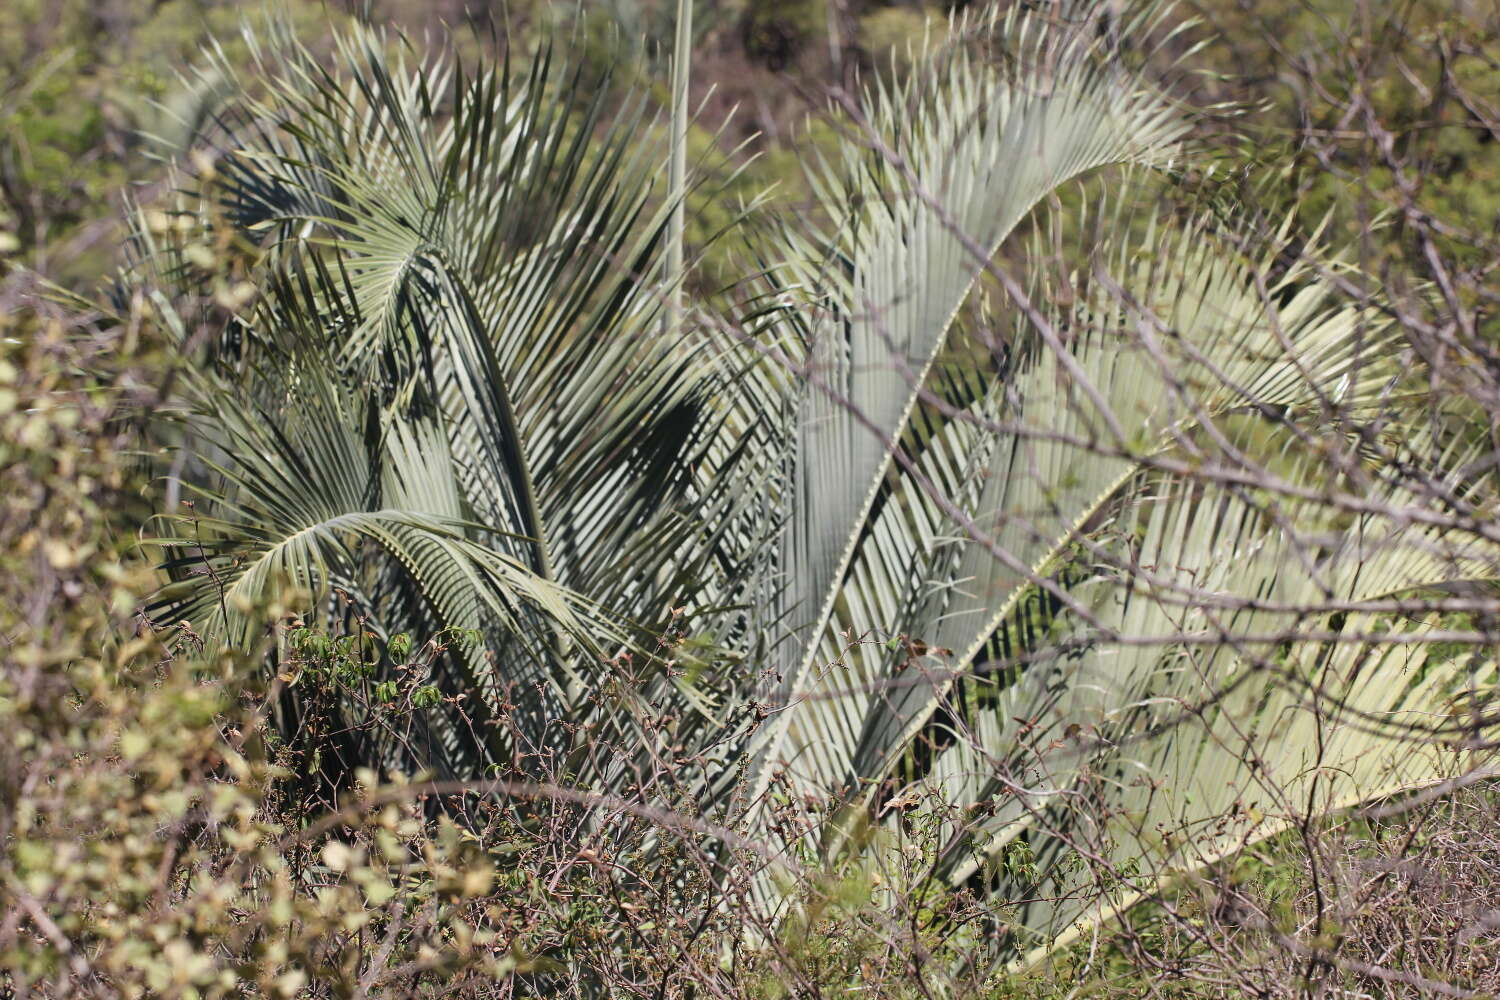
[[93, 93]]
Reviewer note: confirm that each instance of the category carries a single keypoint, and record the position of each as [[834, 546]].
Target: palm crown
[[911, 516]]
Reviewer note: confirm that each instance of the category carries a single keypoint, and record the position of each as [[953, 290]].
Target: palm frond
[[937, 177]]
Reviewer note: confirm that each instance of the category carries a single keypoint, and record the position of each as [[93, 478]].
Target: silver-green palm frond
[[1228, 685], [936, 175], [456, 310]]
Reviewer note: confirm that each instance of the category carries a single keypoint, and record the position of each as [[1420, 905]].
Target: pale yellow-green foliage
[[148, 848]]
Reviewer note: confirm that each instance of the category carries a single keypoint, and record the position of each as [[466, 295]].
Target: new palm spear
[[941, 523]]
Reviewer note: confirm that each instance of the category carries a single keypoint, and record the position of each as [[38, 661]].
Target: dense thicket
[[1054, 544]]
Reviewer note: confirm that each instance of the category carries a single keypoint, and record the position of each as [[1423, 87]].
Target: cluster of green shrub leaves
[[147, 846]]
